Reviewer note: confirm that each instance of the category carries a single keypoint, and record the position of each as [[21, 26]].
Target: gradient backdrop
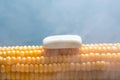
[[27, 22]]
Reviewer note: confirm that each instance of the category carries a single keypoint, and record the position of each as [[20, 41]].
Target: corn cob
[[96, 61]]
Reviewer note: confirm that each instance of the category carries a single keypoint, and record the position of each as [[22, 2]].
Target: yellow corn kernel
[[18, 67], [88, 66], [40, 68], [114, 57], [2, 68], [8, 60], [92, 56], [17, 76], [29, 60], [13, 60], [27, 68], [31, 68], [103, 57], [8, 76], [55, 67], [50, 68], [18, 60], [13, 68], [97, 57], [13, 76], [36, 68], [22, 76], [23, 60], [83, 66], [37, 60], [22, 68], [42, 59], [36, 77], [64, 68], [7, 68], [78, 67], [27, 77], [3, 76], [4, 54]]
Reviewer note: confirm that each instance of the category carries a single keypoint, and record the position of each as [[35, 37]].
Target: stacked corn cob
[[93, 62]]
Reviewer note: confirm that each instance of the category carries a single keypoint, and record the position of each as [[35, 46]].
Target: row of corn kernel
[[41, 47], [17, 53], [100, 48], [63, 67], [21, 48], [109, 57], [27, 60], [34, 50], [72, 75], [103, 45], [63, 51]]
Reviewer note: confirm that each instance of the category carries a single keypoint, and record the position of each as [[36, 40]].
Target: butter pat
[[62, 41]]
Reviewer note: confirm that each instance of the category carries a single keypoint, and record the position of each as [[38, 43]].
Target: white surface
[[62, 41]]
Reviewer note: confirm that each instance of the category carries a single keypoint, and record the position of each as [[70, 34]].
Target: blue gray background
[[27, 22]]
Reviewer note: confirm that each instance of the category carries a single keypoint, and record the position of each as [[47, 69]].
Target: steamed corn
[[92, 62]]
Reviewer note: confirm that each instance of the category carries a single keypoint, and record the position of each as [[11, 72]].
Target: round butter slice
[[62, 41]]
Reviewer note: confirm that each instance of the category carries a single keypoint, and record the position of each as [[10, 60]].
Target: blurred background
[[27, 22]]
